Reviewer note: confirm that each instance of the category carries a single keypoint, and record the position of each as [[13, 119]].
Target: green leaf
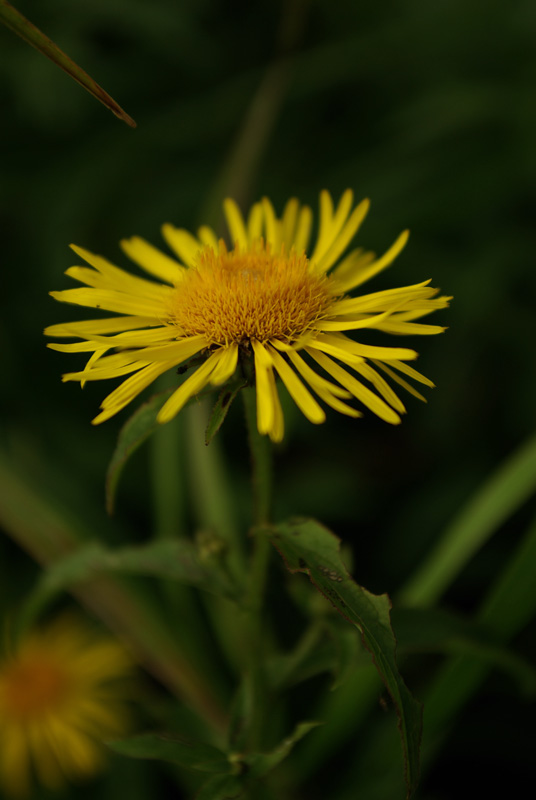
[[221, 787], [132, 435], [347, 651], [176, 559], [15, 21], [261, 763], [240, 714], [500, 496], [220, 410], [165, 747], [308, 547]]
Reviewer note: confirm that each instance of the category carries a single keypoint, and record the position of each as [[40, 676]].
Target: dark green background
[[428, 109]]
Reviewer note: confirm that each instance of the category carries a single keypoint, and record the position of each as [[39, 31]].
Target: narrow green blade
[[15, 21]]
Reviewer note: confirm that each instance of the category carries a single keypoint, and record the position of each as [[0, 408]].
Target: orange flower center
[[32, 685], [240, 295]]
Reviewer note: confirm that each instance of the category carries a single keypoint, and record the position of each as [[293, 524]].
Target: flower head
[[56, 701], [268, 298]]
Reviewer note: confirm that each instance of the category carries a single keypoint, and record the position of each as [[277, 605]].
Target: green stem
[[210, 488], [254, 636], [261, 457]]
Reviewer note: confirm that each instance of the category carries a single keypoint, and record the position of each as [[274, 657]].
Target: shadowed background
[[428, 109]]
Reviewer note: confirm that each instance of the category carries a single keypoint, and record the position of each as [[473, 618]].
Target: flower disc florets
[[238, 295]]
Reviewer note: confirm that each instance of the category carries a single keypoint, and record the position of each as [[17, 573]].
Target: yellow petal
[[235, 223], [255, 219], [91, 326], [303, 229], [189, 388], [263, 388], [350, 349], [129, 389], [153, 260], [409, 371], [272, 225], [277, 431], [208, 237], [183, 243], [226, 366], [363, 272], [343, 239], [328, 392], [401, 382], [112, 301], [354, 386], [288, 222], [301, 396]]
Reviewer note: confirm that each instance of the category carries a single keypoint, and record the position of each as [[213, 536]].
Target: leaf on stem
[[221, 787], [261, 763], [132, 435], [220, 410], [176, 559], [307, 546], [17, 23], [166, 747]]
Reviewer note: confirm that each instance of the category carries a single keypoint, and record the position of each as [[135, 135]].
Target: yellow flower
[[56, 701], [268, 298]]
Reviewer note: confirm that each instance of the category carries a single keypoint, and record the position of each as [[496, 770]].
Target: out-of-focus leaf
[[347, 648], [437, 630], [176, 559], [241, 709], [501, 495], [44, 529], [285, 670], [17, 23], [221, 787], [132, 435], [165, 747], [328, 645], [308, 547], [220, 410], [261, 763]]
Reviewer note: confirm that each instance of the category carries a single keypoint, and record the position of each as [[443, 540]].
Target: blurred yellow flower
[[57, 700], [266, 298]]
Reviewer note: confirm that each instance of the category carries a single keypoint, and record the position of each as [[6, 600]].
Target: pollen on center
[[232, 296]]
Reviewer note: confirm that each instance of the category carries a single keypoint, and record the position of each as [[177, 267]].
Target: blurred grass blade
[[307, 546], [501, 495], [509, 606], [15, 21]]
